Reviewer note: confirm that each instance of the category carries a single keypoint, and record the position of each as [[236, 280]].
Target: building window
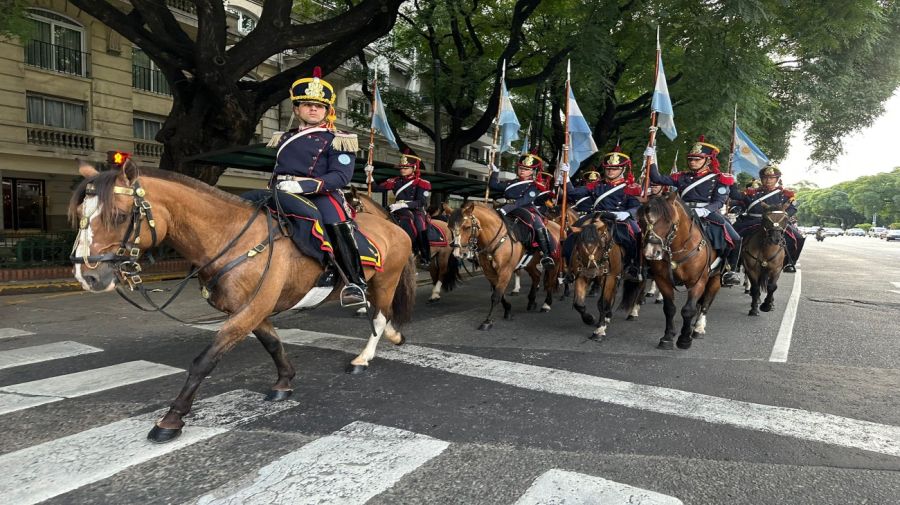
[[146, 128], [23, 204], [359, 106], [57, 43], [146, 75], [246, 22], [54, 112]]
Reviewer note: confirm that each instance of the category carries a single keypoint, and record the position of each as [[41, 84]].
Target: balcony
[[60, 138], [183, 5], [57, 58], [149, 79], [148, 149]]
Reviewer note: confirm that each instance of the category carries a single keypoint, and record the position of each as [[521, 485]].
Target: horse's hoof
[[696, 336], [597, 338], [162, 435], [485, 326], [531, 306], [513, 293], [507, 315], [684, 344], [588, 319], [433, 300], [657, 302], [766, 307], [667, 345], [276, 395], [630, 318], [649, 295], [402, 339], [753, 312], [356, 369], [746, 291]]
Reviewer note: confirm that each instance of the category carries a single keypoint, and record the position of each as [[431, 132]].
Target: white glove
[[290, 187], [494, 168], [622, 216], [650, 152], [564, 167], [397, 206], [369, 170], [653, 129], [701, 212]]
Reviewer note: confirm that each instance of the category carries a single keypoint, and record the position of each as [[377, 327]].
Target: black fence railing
[[149, 79], [20, 250], [57, 58]]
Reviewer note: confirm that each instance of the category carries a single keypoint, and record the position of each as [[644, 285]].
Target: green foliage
[[854, 201], [864, 227], [894, 226], [13, 22]]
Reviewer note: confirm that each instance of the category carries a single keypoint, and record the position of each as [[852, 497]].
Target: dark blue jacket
[[753, 198], [310, 153], [410, 190], [518, 194], [712, 192]]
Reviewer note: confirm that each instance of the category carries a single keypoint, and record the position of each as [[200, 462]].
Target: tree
[[13, 23], [213, 107]]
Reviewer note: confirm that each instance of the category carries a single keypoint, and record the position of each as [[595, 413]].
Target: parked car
[[833, 232], [892, 235], [878, 230], [855, 232]]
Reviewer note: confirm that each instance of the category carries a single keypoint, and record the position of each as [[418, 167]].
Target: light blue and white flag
[[509, 123], [747, 157], [380, 121], [662, 102], [581, 141]]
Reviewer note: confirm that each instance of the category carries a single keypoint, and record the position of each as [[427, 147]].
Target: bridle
[[771, 235], [472, 244], [594, 266], [666, 244]]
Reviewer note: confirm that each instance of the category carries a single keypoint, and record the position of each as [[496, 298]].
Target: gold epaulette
[[276, 138], [347, 142]]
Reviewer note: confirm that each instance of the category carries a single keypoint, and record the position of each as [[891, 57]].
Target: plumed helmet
[[313, 89], [769, 170], [531, 161], [408, 160], [616, 159], [703, 149]]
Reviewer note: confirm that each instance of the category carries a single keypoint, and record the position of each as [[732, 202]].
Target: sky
[[867, 152]]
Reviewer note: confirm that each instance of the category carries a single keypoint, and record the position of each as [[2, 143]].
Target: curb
[[60, 285]]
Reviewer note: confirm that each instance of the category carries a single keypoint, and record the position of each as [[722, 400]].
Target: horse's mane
[[457, 215], [106, 180], [589, 234], [659, 204]]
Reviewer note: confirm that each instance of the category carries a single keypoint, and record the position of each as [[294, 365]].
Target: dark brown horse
[[249, 269], [597, 258], [679, 254], [478, 230], [763, 256]]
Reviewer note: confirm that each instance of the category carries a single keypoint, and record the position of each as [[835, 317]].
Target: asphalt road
[[529, 412]]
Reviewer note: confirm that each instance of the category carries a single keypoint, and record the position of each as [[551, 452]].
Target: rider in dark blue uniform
[[411, 199], [771, 193], [520, 194], [705, 189], [616, 194], [313, 163], [583, 203]]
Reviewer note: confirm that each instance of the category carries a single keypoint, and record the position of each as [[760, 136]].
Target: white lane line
[[896, 284], [30, 394], [347, 467], [783, 340], [571, 488], [50, 469], [783, 421], [13, 332], [47, 352]]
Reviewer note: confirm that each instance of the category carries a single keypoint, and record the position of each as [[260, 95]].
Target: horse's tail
[[631, 294], [405, 294], [451, 276]]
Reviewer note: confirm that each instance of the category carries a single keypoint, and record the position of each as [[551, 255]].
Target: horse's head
[[464, 229], [774, 222], [659, 222], [591, 255], [115, 225]]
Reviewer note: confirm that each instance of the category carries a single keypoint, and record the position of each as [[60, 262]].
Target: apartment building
[[77, 89]]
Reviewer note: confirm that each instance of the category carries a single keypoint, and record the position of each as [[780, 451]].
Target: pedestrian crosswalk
[[349, 466]]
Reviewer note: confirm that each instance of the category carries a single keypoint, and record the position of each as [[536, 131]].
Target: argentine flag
[[509, 123], [662, 102], [581, 141], [747, 157], [380, 121]]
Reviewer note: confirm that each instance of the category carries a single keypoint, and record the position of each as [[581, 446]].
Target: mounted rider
[[583, 203], [616, 194], [411, 194], [313, 163], [771, 193], [520, 195], [705, 189]]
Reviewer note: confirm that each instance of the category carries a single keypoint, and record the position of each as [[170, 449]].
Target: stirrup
[[731, 278], [353, 295], [547, 262]]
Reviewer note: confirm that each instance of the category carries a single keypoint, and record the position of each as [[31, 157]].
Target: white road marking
[[896, 284], [47, 352], [894, 291], [13, 332], [347, 467], [50, 469], [782, 421], [783, 340], [30, 394], [571, 488]]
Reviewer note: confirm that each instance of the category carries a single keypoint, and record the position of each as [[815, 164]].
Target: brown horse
[[679, 253], [444, 266], [478, 230], [763, 256], [597, 258], [248, 269]]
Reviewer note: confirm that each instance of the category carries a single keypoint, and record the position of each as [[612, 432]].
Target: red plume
[[617, 149], [701, 138], [406, 150], [629, 179], [534, 151], [317, 71]]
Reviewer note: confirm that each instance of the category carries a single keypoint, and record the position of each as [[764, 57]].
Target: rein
[[767, 239], [472, 244], [691, 251]]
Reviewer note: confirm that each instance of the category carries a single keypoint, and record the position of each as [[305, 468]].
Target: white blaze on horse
[[248, 268]]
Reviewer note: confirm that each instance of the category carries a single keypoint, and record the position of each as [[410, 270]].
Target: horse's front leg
[[499, 287], [713, 284], [535, 282], [771, 286], [688, 315], [754, 296], [282, 389], [581, 287], [517, 284], [551, 283], [668, 295]]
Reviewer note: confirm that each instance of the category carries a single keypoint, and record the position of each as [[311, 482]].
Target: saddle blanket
[[309, 236], [437, 237], [525, 233]]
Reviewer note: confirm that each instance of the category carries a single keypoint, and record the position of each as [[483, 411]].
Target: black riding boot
[[733, 277], [346, 255], [424, 249], [792, 256], [543, 240]]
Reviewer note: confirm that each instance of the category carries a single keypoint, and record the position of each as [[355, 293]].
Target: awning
[[260, 158]]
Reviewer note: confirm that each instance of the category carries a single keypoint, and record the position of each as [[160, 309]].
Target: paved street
[[769, 409]]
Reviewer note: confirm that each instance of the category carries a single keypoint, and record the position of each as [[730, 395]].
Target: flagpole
[[648, 161], [565, 180], [675, 163], [493, 152], [372, 130], [733, 135]]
